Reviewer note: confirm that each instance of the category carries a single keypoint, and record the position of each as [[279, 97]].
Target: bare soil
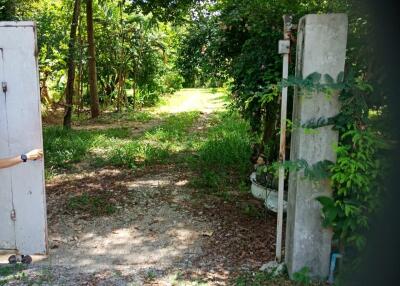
[[163, 231]]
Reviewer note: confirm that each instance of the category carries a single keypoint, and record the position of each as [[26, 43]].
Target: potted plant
[[264, 185]]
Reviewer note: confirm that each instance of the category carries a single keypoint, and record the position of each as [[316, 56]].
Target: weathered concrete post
[[321, 48]]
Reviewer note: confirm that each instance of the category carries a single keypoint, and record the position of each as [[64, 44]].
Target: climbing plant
[[357, 175]]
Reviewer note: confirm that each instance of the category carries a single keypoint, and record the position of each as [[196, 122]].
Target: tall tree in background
[[94, 97], [69, 92]]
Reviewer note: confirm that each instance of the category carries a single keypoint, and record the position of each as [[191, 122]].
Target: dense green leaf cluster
[[236, 42], [356, 179], [135, 53]]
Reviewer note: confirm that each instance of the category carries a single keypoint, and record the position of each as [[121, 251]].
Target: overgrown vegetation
[[220, 154], [117, 146], [135, 53], [357, 175], [241, 37], [224, 157], [146, 49]]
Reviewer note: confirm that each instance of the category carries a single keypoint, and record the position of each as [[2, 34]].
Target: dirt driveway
[[163, 231]]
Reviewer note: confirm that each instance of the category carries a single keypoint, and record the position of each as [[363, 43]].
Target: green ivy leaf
[[328, 79], [326, 202], [314, 77]]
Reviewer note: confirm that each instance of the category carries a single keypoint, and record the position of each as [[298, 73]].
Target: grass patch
[[65, 147], [151, 275], [94, 205], [116, 146], [157, 145], [8, 270], [260, 278], [109, 117], [13, 273], [223, 157]]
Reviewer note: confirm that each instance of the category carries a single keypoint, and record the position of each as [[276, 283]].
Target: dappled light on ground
[[156, 205]]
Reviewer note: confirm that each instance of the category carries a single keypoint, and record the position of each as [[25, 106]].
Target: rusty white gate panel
[[23, 222]]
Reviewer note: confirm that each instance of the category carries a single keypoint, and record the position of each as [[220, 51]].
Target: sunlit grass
[[157, 145], [223, 154], [187, 100], [117, 146], [220, 149], [112, 116]]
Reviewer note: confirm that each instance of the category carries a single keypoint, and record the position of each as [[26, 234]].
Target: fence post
[[321, 48]]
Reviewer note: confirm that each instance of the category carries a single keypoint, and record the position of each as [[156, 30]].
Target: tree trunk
[[121, 96], [69, 93], [80, 68], [94, 97], [44, 92]]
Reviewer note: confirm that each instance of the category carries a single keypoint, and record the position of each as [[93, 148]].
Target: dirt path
[[164, 232]]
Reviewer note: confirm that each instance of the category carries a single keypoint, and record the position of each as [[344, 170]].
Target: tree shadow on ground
[[160, 224]]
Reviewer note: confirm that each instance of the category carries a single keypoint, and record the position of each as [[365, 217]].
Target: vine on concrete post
[[356, 177]]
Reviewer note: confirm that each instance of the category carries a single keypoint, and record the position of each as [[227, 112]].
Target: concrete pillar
[[321, 48]]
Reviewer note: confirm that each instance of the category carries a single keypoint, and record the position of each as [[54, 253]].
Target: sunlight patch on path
[[157, 228], [192, 99]]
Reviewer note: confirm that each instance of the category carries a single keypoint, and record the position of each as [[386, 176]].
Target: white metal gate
[[23, 222]]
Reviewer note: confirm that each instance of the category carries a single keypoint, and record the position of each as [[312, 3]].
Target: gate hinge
[[13, 215]]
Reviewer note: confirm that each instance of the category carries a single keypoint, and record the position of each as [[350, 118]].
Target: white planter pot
[[269, 196]]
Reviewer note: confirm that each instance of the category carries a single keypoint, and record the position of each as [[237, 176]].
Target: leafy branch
[[315, 172], [314, 82]]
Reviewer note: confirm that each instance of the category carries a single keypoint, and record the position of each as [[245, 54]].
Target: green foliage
[[226, 151], [14, 10], [258, 279], [164, 10], [11, 269], [172, 82], [135, 53], [116, 146], [356, 177], [261, 278], [7, 10], [65, 147], [235, 42], [151, 275], [224, 156], [266, 175], [114, 117], [302, 277], [11, 274], [198, 59], [357, 181], [316, 82], [319, 171]]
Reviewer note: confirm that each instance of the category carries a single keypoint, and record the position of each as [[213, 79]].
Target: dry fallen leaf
[[207, 233]]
